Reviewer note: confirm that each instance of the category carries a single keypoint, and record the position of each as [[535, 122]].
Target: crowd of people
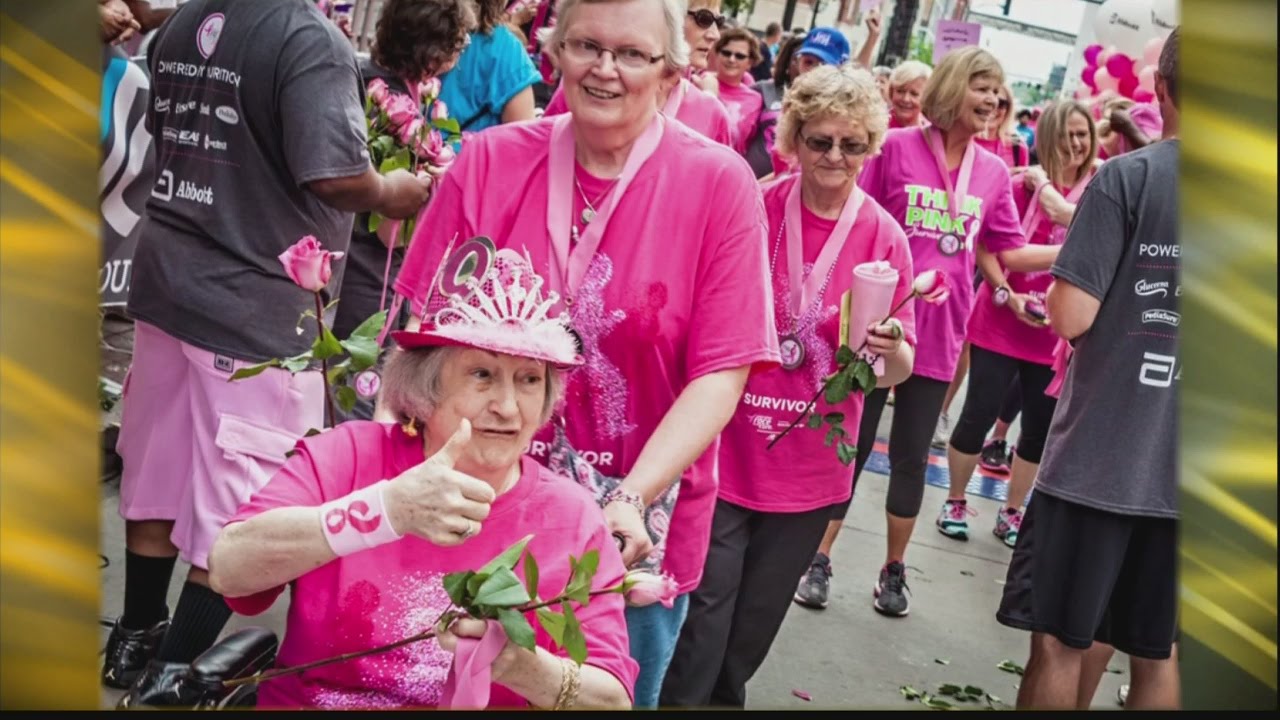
[[629, 278]]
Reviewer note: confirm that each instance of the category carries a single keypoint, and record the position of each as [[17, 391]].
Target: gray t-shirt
[[250, 101], [1114, 439]]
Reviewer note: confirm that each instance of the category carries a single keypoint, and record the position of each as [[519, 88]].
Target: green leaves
[[846, 453], [581, 573], [326, 344], [531, 575], [553, 623], [815, 421], [252, 370], [864, 377], [574, 641], [508, 558], [448, 126], [910, 693], [399, 160], [346, 397], [456, 585], [502, 589], [839, 387], [362, 345], [844, 356], [518, 628], [1010, 666]]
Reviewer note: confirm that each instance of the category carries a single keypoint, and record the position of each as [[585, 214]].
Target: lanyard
[[570, 266], [805, 293], [957, 194]]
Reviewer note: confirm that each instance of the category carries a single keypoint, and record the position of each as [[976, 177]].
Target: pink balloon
[[1119, 65], [1107, 52], [1087, 74], [1083, 92], [1151, 53], [1143, 96], [1128, 84], [1147, 79], [1091, 54], [1104, 80]]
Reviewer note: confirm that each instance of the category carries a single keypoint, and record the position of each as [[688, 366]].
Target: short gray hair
[[411, 383], [909, 72], [673, 12]]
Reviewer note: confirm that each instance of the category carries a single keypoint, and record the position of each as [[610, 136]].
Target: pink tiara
[[493, 300]]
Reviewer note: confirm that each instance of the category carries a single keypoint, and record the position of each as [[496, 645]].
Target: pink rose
[[429, 147], [401, 110], [308, 264], [429, 89], [643, 588], [445, 157], [439, 111], [931, 286], [411, 132], [378, 91]]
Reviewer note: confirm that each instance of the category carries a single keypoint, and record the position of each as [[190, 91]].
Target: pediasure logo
[[208, 33], [1166, 317]]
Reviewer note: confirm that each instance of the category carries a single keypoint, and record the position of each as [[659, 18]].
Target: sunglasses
[[1002, 104], [822, 146], [731, 55], [705, 18]]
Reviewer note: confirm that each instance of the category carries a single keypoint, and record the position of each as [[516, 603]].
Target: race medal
[[367, 384], [949, 244], [792, 351], [588, 215]]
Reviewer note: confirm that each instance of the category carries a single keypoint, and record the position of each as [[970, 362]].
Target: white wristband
[[358, 521]]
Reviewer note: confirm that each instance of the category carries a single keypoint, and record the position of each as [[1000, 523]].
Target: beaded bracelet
[[570, 681], [619, 495]]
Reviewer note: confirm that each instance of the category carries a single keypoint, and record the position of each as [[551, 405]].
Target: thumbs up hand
[[436, 502]]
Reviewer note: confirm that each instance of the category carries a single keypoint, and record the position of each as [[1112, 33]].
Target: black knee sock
[[146, 586], [200, 616]]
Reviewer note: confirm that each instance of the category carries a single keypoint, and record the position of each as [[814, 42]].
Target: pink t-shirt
[[1148, 119], [700, 111], [743, 105], [800, 474], [996, 328], [678, 289], [904, 179], [394, 591]]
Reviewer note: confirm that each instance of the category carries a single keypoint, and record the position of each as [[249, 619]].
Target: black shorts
[[1081, 575]]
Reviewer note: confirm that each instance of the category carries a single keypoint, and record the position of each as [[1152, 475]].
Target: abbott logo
[[188, 190], [227, 114], [164, 186], [1157, 370], [215, 144], [1165, 317], [162, 105], [1146, 289]]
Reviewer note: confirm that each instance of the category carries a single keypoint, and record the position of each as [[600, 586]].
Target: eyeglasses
[[731, 55], [587, 51], [823, 145], [705, 18]]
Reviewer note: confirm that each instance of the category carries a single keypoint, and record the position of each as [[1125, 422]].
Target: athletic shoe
[[942, 434], [891, 591], [1008, 522], [995, 457], [816, 584], [129, 651], [953, 521]]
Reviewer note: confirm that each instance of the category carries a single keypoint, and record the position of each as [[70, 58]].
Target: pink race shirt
[[678, 288], [904, 179], [799, 473], [394, 591], [701, 112], [996, 328], [743, 105]]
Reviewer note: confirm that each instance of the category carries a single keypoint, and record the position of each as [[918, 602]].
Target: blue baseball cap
[[827, 44]]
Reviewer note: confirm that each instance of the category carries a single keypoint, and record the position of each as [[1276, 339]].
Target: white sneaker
[[942, 435]]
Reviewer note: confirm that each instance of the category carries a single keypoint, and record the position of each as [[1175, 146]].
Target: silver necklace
[[790, 346]]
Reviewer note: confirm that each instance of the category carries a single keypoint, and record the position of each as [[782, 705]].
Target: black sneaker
[[162, 684], [128, 652], [995, 457], [891, 591], [816, 584]]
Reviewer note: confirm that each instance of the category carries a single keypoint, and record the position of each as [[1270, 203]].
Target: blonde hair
[[673, 14], [908, 72], [945, 93], [1051, 131], [842, 92], [411, 383], [1005, 131]]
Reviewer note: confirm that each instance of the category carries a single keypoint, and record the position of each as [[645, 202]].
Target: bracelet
[[570, 682], [619, 495], [357, 521]]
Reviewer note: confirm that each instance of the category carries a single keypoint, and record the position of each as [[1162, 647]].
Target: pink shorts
[[196, 446]]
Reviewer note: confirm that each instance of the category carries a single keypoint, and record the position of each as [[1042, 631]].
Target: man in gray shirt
[[1096, 562], [259, 140]]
